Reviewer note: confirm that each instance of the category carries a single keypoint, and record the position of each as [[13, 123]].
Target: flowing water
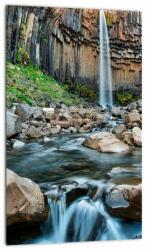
[[64, 159], [105, 64]]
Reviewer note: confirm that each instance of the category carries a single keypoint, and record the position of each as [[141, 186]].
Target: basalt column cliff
[[65, 43]]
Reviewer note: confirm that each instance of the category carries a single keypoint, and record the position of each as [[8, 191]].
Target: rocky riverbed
[[82, 159], [25, 122]]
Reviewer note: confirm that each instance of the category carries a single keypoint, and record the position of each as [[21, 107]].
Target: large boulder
[[105, 142], [13, 124], [136, 134], [24, 111], [24, 200], [133, 116], [125, 201]]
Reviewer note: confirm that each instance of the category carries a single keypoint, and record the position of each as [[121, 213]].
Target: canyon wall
[[65, 43]]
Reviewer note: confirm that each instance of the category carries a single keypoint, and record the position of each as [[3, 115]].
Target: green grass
[[28, 84]]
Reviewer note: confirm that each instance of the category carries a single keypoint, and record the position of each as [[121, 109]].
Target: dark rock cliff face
[[65, 42]]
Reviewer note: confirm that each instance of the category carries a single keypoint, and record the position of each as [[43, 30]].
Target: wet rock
[[46, 139], [133, 116], [18, 144], [75, 192], [34, 132], [48, 113], [125, 201], [25, 201], [13, 124], [116, 111], [136, 134], [105, 142], [119, 129], [24, 111], [70, 190], [72, 129], [120, 170]]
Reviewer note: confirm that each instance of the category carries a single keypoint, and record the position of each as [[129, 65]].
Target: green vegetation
[[82, 90], [22, 56], [124, 98], [109, 20], [28, 84]]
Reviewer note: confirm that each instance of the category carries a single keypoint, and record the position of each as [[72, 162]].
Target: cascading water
[[84, 220], [105, 64]]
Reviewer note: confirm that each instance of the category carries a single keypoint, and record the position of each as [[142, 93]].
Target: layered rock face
[[65, 43]]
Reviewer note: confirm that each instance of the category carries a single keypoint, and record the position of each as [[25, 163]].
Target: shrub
[[124, 98]]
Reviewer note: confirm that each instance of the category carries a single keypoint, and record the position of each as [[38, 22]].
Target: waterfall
[[83, 220], [105, 64]]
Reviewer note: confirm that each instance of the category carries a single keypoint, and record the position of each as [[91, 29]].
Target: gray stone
[[24, 111], [38, 114], [13, 124]]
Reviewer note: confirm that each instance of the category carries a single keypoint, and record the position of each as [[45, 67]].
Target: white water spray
[[83, 220], [105, 64]]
